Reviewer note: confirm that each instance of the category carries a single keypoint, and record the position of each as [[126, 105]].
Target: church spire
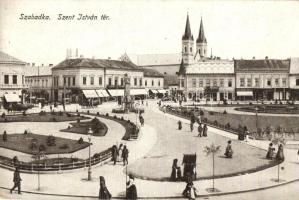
[[201, 35], [187, 35]]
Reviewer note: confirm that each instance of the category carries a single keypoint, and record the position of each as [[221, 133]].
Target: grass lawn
[[23, 142], [98, 127], [45, 117], [173, 143]]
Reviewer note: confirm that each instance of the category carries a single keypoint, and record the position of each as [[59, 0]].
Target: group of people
[[202, 128], [119, 154], [271, 153]]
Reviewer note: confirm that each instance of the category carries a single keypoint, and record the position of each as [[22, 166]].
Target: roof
[[151, 73], [187, 35], [170, 80], [294, 66], [211, 67], [8, 59], [182, 69], [153, 59], [96, 63], [262, 65], [37, 71], [201, 35]]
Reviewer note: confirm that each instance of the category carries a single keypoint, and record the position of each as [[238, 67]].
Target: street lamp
[[89, 140], [256, 118]]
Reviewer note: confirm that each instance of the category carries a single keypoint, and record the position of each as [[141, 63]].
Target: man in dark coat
[[114, 154], [131, 193], [17, 181], [199, 130], [125, 155], [104, 192], [205, 130]]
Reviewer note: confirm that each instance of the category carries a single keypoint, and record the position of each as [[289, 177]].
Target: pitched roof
[[96, 63], [153, 59], [262, 65], [171, 80], [187, 35], [37, 71], [152, 73], [211, 67], [201, 35], [8, 59], [182, 69]]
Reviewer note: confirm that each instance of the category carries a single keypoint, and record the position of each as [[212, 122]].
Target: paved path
[[72, 183]]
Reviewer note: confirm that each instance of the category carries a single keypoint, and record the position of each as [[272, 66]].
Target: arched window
[[199, 51], [185, 49]]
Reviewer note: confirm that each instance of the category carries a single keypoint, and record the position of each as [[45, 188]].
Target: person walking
[[141, 119], [229, 151], [191, 127], [190, 191], [280, 154], [205, 131], [199, 129], [173, 176], [125, 155], [131, 193], [179, 125], [270, 152], [17, 181], [103, 192], [120, 152], [114, 154]]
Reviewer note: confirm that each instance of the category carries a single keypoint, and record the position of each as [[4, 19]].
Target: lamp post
[[89, 140], [256, 118]]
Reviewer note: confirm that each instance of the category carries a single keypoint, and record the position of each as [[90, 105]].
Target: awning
[[90, 94], [102, 93], [154, 91], [162, 91], [12, 98], [116, 93], [138, 92], [244, 93]]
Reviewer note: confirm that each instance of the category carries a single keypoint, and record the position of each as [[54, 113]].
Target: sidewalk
[[71, 183]]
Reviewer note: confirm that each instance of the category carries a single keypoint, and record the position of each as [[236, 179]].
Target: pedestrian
[[141, 119], [229, 151], [119, 153], [4, 136], [280, 154], [179, 174], [173, 176], [190, 191], [103, 192], [205, 131], [17, 181], [114, 154], [270, 152], [191, 127], [131, 192], [51, 107], [180, 125], [199, 129], [125, 155]]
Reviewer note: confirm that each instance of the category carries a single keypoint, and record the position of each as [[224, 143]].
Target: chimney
[[266, 57], [42, 64], [71, 55], [77, 53]]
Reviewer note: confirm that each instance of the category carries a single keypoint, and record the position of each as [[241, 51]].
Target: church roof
[[171, 80], [262, 65], [201, 35], [8, 59], [182, 69], [187, 35]]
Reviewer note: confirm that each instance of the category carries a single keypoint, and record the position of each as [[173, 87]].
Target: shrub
[[128, 121], [122, 118], [54, 119], [42, 147], [3, 115], [33, 146], [42, 113], [25, 132], [24, 113], [64, 146], [53, 112], [69, 127], [211, 113], [6, 120], [68, 115], [51, 140], [201, 113], [280, 102], [224, 112], [250, 103], [80, 141], [114, 117], [77, 111], [227, 125], [78, 114], [205, 119]]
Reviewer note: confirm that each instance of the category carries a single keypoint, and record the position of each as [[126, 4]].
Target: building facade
[[294, 79]]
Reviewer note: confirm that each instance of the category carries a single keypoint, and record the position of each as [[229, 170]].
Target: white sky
[[233, 28]]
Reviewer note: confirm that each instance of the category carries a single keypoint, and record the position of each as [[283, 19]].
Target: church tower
[[187, 44], [201, 42]]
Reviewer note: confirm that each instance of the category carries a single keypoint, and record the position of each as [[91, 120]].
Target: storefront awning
[[116, 93], [90, 94], [244, 93], [10, 98], [138, 92], [162, 91], [102, 93], [154, 91]]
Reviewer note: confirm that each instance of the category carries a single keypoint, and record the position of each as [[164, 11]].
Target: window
[[6, 79], [221, 83], [200, 83], [115, 80], [185, 49], [215, 82], [230, 83], [208, 83], [135, 81], [74, 80], [276, 82], [23, 79], [84, 80], [242, 82], [109, 81], [69, 81], [145, 82], [257, 82], [14, 79], [121, 81], [191, 49], [297, 82], [64, 80], [182, 83], [268, 82], [91, 80], [152, 82], [284, 82], [159, 83], [140, 82], [100, 80], [249, 83], [194, 82]]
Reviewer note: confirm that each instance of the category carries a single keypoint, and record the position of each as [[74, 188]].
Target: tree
[[212, 149]]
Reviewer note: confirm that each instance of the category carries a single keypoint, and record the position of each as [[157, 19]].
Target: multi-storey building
[[12, 78], [294, 79]]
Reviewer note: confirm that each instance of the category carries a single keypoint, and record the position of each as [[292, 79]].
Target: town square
[[122, 107]]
